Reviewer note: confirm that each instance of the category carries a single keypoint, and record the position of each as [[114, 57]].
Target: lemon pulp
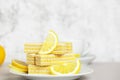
[[66, 68], [50, 43]]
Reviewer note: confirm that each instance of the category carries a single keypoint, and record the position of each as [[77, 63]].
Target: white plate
[[84, 71]]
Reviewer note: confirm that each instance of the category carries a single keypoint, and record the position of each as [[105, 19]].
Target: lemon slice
[[66, 68], [16, 69], [19, 64], [2, 54], [77, 55], [50, 43]]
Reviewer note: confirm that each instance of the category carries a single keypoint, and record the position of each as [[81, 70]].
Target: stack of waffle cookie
[[40, 63], [61, 48]]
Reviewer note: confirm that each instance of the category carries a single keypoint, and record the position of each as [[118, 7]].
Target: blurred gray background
[[96, 21]]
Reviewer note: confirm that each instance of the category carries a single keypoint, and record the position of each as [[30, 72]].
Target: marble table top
[[102, 71]]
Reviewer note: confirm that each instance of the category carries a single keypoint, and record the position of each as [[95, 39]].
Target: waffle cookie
[[30, 59], [62, 48], [47, 60], [33, 69]]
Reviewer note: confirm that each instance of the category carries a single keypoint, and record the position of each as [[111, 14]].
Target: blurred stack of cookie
[[61, 48], [40, 63], [49, 57]]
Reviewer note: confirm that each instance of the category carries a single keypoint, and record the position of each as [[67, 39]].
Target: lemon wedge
[[66, 68], [50, 43], [77, 55], [2, 54], [16, 69], [19, 64]]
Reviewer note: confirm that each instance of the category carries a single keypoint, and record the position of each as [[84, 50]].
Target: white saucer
[[84, 71], [87, 59]]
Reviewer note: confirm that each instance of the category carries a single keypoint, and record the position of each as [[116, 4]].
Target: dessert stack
[[50, 57], [40, 63]]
